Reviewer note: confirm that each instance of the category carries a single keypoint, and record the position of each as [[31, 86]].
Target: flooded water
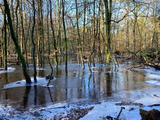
[[80, 85]]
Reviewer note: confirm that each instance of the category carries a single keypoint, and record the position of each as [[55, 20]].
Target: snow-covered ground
[[131, 112], [59, 111], [64, 111]]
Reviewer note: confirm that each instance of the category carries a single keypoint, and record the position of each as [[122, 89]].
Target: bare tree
[[65, 36], [15, 40], [108, 16], [33, 41]]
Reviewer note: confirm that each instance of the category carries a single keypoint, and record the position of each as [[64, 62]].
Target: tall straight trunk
[[1, 51], [108, 16], [127, 29], [48, 40], [94, 24], [103, 32], [23, 33], [99, 31], [84, 22], [78, 32], [40, 34], [127, 34], [15, 40], [33, 42], [17, 23], [53, 33], [48, 31], [134, 34], [5, 42], [94, 32], [59, 25], [12, 12], [17, 27], [65, 37], [134, 27]]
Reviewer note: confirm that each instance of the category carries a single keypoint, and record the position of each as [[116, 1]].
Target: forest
[[79, 59]]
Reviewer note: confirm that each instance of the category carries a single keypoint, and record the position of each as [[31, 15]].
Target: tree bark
[[65, 38], [53, 33], [108, 16], [78, 32], [33, 42], [40, 34], [5, 42]]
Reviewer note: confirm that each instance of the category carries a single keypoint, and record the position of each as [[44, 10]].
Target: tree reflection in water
[[26, 96], [109, 84], [35, 95]]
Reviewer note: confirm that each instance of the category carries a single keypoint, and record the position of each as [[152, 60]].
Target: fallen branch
[[113, 118]]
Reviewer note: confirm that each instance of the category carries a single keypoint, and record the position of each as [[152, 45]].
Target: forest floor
[[146, 99]]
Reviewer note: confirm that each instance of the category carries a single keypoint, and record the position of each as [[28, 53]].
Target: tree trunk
[[40, 34], [78, 32], [33, 42], [65, 38], [5, 42], [59, 25], [53, 34], [23, 33], [15, 40], [108, 16]]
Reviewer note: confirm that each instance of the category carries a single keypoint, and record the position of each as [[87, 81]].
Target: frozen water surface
[[103, 86]]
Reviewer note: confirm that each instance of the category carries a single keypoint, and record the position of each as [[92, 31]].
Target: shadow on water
[[78, 85]]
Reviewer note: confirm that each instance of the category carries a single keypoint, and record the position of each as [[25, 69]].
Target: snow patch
[[43, 113], [102, 110], [153, 82], [40, 82], [9, 69], [153, 76]]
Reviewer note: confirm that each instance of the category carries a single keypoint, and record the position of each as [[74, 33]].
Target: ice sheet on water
[[153, 76], [9, 69], [149, 100], [149, 72], [37, 68], [152, 73], [22, 83], [153, 82]]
